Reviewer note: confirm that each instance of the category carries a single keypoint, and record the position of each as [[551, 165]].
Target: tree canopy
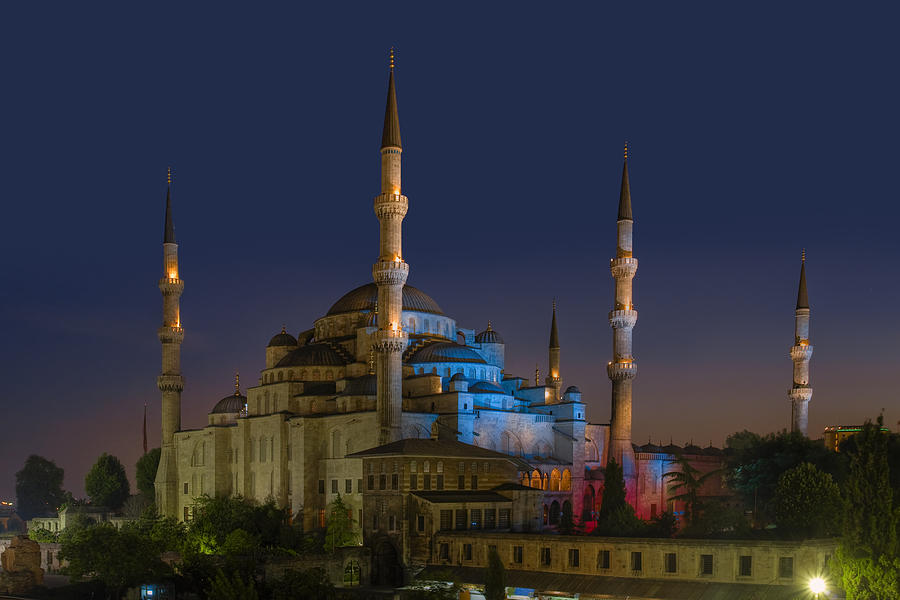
[[106, 483], [39, 488], [145, 472], [616, 516], [807, 503], [339, 529]]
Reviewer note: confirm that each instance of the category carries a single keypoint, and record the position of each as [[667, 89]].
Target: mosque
[[385, 363]]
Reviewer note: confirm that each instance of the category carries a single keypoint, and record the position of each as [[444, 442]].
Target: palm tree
[[689, 481]]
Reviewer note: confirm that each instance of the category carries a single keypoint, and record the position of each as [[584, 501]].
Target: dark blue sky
[[755, 131]]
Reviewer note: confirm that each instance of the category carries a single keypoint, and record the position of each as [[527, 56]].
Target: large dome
[[364, 297], [234, 403], [439, 352]]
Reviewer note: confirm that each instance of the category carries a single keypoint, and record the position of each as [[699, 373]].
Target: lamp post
[[817, 586]]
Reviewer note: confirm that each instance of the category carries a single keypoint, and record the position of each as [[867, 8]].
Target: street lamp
[[817, 586]]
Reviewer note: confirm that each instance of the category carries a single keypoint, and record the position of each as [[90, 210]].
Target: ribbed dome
[[572, 390], [234, 403], [282, 339], [489, 336], [312, 355], [486, 387], [364, 297], [445, 352]]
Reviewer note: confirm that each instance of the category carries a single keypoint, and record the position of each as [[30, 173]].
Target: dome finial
[[489, 325], [283, 328], [237, 383]]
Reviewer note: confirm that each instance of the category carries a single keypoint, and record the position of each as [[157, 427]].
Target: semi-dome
[[234, 403], [439, 352], [364, 298], [367, 385], [458, 377], [572, 389], [282, 339], [311, 355], [489, 336], [486, 387]]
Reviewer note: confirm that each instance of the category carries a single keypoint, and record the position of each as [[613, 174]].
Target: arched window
[[565, 483], [554, 513], [329, 375], [554, 480], [351, 574], [427, 326], [280, 375], [536, 479], [412, 325]]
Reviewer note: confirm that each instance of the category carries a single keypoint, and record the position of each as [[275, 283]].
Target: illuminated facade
[[801, 392]]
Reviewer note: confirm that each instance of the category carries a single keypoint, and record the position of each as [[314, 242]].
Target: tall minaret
[[390, 273], [622, 318], [170, 382], [553, 380], [801, 352]]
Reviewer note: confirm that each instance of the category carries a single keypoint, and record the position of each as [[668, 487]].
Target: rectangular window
[[573, 557], [603, 559], [395, 481], [671, 562], [786, 567], [334, 486], [186, 513], [504, 518], [413, 481], [490, 518], [467, 551], [185, 487], [321, 517], [348, 486], [461, 482], [474, 482], [382, 482], [461, 518], [636, 561], [475, 518], [321, 486], [446, 520], [371, 482], [420, 523], [545, 557], [359, 486], [746, 566], [427, 482], [706, 564], [444, 552], [518, 554], [440, 481], [392, 521]]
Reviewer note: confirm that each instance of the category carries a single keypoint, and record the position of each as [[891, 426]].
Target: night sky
[[755, 131]]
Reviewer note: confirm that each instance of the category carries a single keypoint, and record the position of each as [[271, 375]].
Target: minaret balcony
[[393, 339], [390, 272], [170, 383], [170, 286], [170, 334], [801, 352], [622, 319], [391, 205], [621, 370], [800, 394], [623, 267]]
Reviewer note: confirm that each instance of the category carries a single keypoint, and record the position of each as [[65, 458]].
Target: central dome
[[364, 297]]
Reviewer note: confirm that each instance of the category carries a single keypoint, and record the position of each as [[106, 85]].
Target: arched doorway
[[386, 570], [351, 573], [554, 513]]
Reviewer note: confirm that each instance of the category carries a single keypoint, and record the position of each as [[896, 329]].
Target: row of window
[[314, 375], [428, 482], [476, 518], [348, 486], [461, 467]]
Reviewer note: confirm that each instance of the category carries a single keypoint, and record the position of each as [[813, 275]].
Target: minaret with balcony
[[553, 380], [622, 369], [390, 273], [801, 352], [170, 382]]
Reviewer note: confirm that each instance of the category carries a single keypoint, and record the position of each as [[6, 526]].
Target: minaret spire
[[801, 353], [390, 273], [170, 382], [553, 378], [622, 368]]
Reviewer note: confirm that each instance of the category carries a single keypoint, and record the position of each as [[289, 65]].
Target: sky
[[755, 130]]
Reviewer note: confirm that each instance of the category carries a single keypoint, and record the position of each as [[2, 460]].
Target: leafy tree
[[106, 483], [216, 517], [339, 529], [42, 535], [869, 553], [39, 488], [234, 587], [718, 518], [807, 502], [117, 558], [311, 583], [754, 464], [145, 472], [689, 481], [495, 578], [616, 516]]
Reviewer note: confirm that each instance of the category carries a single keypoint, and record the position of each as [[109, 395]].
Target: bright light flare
[[817, 585]]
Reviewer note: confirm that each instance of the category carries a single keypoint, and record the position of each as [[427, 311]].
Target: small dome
[[234, 403], [282, 339], [361, 386], [572, 389], [489, 336], [458, 377], [311, 355], [445, 352], [365, 296], [486, 387]]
